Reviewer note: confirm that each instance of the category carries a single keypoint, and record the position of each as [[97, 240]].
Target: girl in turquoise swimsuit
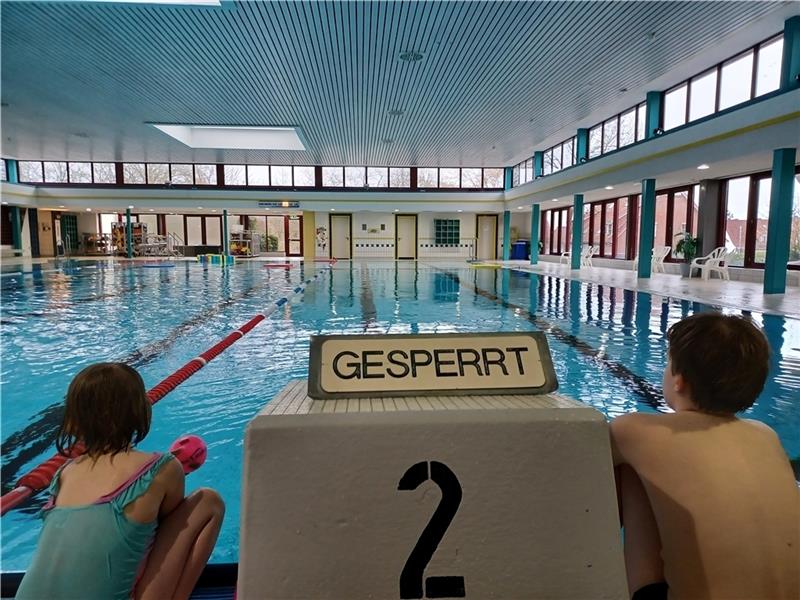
[[116, 524]]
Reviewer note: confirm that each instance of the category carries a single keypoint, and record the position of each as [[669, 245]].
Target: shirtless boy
[[708, 501]]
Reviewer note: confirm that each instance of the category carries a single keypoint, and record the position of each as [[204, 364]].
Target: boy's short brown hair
[[107, 409], [723, 358]]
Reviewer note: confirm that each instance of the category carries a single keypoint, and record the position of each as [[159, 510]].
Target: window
[[3, 174], [568, 153], [106, 219], [555, 162], [794, 231], [30, 171], [258, 175], [610, 135], [627, 128], [399, 177], [213, 231], [470, 178], [449, 178], [181, 174], [354, 177], [641, 122], [447, 232], [157, 173], [595, 141], [80, 172], [737, 198], [205, 174], [281, 176], [735, 81], [547, 162], [174, 225], [134, 173], [621, 228], [235, 175], [377, 177], [304, 177], [675, 107], [55, 172], [529, 169], [768, 68], [515, 181], [332, 176], [493, 178], [427, 177], [104, 172], [703, 95]]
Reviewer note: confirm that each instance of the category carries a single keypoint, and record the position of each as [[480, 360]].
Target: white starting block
[[463, 495]]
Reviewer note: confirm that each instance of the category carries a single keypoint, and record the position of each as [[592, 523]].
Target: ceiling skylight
[[235, 138]]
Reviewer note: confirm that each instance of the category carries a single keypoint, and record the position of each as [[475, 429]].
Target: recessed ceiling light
[[199, 208], [410, 56], [703, 167], [459, 210], [520, 207], [4, 202], [152, 210], [396, 210], [61, 206], [333, 209], [555, 199], [609, 187], [267, 208], [88, 210], [237, 138], [395, 112], [213, 210], [131, 206]]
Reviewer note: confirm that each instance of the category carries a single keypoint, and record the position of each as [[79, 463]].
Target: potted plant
[[687, 248]]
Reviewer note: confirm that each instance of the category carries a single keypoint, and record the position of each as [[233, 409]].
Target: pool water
[[608, 348]]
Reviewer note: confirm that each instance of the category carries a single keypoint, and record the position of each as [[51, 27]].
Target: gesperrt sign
[[442, 364]]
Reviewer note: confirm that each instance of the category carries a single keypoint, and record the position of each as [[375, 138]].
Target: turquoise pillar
[[582, 150], [128, 233], [647, 227], [780, 220], [12, 171], [652, 118], [508, 178], [16, 230], [506, 234], [225, 241], [535, 228], [538, 164], [533, 294], [790, 67], [577, 231]]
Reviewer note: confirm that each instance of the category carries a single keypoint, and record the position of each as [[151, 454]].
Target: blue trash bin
[[520, 250]]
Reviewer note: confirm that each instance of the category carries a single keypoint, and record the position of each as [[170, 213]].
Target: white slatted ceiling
[[502, 74]]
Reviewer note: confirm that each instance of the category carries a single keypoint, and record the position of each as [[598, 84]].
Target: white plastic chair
[[659, 254], [587, 252], [565, 257], [711, 263]]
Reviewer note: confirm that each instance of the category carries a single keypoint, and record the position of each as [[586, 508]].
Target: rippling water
[[608, 348]]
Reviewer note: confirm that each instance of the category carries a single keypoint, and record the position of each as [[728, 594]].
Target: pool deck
[[742, 295]]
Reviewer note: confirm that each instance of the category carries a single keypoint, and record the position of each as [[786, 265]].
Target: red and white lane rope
[[40, 477]]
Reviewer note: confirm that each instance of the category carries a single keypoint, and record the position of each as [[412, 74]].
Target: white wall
[[87, 223], [369, 240], [521, 225]]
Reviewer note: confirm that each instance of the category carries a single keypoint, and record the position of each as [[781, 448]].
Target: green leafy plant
[[687, 246], [272, 243]]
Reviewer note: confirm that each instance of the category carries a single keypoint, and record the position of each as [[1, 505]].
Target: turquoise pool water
[[608, 347]]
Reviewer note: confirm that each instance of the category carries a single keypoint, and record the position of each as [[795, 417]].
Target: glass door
[[294, 235]]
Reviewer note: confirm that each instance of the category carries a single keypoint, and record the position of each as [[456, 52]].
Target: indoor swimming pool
[[608, 347]]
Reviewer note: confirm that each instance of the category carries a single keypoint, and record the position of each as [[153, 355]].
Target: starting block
[[473, 479]]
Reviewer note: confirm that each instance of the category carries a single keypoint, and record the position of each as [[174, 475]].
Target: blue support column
[[647, 227], [12, 171], [508, 178], [535, 229], [790, 67], [653, 109], [780, 220], [128, 234], [225, 241], [538, 164], [506, 234], [577, 231], [582, 150]]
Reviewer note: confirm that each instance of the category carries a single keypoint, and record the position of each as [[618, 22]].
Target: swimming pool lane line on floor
[[650, 394], [36, 437], [33, 482]]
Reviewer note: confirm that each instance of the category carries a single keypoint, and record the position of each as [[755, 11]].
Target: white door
[[487, 237], [406, 236], [340, 236]]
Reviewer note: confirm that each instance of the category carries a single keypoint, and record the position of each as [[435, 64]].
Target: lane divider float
[[40, 477]]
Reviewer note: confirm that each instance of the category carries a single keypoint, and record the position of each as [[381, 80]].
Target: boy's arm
[[625, 433]]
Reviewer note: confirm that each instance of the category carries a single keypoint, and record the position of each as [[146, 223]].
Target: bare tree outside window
[[80, 172], [205, 174], [133, 173], [157, 173], [182, 175], [235, 175], [399, 177], [377, 177], [470, 178], [55, 172]]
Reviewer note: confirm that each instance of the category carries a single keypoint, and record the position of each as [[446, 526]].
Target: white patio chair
[[657, 262], [587, 252], [711, 263], [565, 257]]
